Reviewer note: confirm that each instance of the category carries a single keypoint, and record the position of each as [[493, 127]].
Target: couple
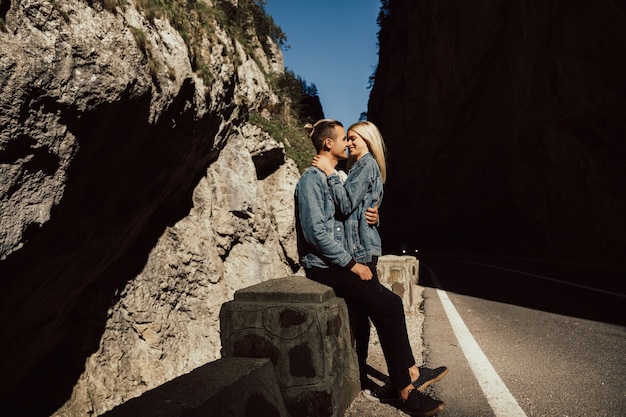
[[338, 245]]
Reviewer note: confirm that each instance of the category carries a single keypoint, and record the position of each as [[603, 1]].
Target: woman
[[363, 188]]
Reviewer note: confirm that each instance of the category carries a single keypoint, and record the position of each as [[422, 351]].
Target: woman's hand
[[371, 216], [323, 164]]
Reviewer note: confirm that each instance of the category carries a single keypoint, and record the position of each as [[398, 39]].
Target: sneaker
[[385, 394], [420, 405], [429, 376], [368, 384]]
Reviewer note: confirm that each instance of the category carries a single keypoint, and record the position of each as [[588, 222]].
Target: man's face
[[339, 144]]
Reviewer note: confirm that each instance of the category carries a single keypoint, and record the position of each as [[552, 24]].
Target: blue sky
[[332, 45]]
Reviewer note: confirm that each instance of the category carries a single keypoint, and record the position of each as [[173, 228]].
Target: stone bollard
[[303, 328], [234, 387], [399, 274]]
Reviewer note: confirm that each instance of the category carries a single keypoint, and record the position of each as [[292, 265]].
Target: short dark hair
[[322, 129]]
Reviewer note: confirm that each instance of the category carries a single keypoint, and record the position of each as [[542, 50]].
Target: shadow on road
[[585, 292]]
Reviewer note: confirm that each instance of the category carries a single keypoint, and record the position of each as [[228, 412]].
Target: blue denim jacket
[[363, 188], [320, 232]]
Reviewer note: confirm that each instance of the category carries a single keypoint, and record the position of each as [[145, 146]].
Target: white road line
[[497, 394]]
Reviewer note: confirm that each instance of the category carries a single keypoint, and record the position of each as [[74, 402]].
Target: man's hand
[[363, 271], [371, 216]]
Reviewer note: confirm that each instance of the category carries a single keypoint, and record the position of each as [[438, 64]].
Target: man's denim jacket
[[363, 188], [320, 232]]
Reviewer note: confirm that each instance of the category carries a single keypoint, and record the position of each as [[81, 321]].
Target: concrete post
[[399, 274], [233, 387], [303, 328]]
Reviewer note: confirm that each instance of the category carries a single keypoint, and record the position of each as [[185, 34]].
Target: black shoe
[[420, 405], [385, 394], [429, 376], [368, 384]]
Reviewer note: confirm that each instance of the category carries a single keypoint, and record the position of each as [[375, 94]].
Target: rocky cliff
[[135, 196], [506, 127]]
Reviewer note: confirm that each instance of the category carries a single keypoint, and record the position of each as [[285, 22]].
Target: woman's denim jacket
[[363, 188], [319, 228]]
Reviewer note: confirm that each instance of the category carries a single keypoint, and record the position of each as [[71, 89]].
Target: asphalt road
[[525, 338]]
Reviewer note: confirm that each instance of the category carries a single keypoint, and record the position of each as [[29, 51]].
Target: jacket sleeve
[[312, 217], [348, 196]]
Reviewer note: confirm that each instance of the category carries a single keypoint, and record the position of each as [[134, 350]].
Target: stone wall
[[135, 199]]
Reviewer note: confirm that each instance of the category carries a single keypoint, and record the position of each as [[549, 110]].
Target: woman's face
[[357, 145]]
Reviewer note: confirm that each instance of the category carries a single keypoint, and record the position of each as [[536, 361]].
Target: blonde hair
[[374, 140]]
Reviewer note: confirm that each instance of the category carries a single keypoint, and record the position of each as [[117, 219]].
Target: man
[[325, 260]]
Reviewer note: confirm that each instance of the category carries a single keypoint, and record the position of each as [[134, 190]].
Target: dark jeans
[[383, 307]]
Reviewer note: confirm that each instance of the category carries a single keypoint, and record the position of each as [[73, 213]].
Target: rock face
[[506, 127], [135, 199]]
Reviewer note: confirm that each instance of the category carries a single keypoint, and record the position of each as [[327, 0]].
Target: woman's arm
[[348, 195], [340, 196], [358, 184]]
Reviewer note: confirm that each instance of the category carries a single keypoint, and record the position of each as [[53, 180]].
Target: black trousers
[[383, 307]]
